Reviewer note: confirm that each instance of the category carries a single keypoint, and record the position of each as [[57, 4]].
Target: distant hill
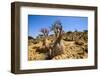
[[29, 37]]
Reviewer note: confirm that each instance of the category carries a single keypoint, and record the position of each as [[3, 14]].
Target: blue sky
[[69, 23]]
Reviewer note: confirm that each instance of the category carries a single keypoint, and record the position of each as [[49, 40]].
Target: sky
[[69, 23]]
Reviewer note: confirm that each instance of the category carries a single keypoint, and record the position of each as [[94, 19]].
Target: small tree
[[45, 33]]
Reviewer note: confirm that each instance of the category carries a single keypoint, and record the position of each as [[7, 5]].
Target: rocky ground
[[75, 47]]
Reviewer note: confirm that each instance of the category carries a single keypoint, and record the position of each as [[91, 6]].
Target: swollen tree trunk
[[58, 46]]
